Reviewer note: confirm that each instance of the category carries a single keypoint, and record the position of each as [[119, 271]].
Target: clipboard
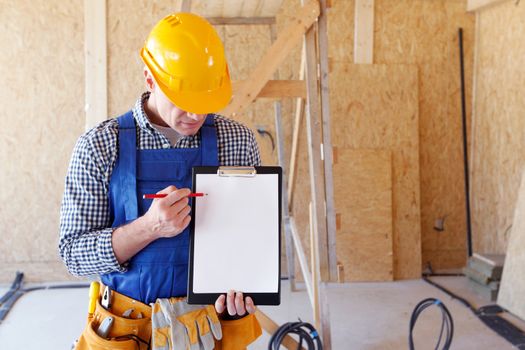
[[235, 234]]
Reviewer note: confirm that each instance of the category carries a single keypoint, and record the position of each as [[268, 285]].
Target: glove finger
[[207, 342], [179, 336], [215, 327]]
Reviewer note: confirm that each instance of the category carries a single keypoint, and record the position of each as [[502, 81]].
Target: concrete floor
[[362, 316]]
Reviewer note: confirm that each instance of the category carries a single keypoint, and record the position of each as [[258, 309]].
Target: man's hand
[[169, 216], [234, 304]]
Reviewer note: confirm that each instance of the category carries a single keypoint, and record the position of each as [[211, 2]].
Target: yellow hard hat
[[186, 57]]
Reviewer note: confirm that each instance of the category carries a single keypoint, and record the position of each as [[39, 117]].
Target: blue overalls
[[160, 270]]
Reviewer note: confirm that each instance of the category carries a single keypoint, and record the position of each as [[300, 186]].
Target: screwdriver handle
[[94, 292]]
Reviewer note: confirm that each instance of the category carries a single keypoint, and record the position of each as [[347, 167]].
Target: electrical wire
[[304, 330], [447, 325]]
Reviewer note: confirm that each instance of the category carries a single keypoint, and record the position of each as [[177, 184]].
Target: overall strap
[[127, 158], [209, 151]]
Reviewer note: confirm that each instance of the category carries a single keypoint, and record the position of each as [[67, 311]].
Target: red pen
[[162, 195]]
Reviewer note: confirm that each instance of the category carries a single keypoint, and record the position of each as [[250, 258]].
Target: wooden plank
[[241, 20], [277, 89], [512, 282], [275, 55], [364, 32], [315, 163], [95, 51], [327, 139], [376, 107], [477, 5], [271, 327], [299, 110], [314, 265], [363, 197], [303, 262]]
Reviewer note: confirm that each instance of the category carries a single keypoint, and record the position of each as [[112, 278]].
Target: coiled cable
[[447, 325], [304, 330]]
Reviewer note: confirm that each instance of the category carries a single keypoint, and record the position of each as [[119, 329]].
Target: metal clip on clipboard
[[241, 171]]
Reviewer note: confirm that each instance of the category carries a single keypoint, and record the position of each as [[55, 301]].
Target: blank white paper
[[236, 242]]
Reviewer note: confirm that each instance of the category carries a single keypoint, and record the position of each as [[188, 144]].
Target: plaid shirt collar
[[144, 123]]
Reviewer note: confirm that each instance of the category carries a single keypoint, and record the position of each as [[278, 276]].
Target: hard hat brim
[[202, 102]]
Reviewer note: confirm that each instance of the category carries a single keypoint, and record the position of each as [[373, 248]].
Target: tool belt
[[132, 333]]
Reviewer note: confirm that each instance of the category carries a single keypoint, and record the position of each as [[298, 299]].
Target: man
[[140, 247]]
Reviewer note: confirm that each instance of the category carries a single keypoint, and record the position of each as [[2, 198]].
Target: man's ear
[[148, 78]]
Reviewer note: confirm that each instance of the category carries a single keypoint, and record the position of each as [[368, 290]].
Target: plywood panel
[[512, 283], [499, 125], [363, 204], [375, 106]]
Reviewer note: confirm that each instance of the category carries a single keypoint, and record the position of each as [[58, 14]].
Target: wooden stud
[[302, 260], [327, 140], [313, 127], [277, 89], [299, 111], [95, 53], [275, 55], [364, 31], [314, 252]]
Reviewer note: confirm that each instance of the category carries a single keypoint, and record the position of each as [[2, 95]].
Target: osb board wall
[[363, 201], [42, 115], [498, 132], [428, 38], [376, 107], [512, 288]]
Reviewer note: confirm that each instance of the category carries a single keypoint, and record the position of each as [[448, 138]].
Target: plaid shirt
[[85, 226]]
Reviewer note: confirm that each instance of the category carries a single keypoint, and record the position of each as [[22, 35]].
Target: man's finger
[[230, 303], [219, 304], [176, 196], [168, 190], [250, 305], [239, 304]]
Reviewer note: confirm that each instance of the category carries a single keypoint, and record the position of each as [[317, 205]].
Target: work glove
[[178, 325]]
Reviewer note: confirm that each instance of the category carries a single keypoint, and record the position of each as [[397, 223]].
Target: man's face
[[183, 122]]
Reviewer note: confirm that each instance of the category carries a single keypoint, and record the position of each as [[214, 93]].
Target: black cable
[[304, 330], [447, 325]]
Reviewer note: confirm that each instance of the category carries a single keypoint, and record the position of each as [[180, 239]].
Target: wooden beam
[[302, 260], [364, 32], [275, 55], [477, 5], [315, 162], [277, 88], [327, 140], [271, 327], [95, 53], [299, 111], [241, 20]]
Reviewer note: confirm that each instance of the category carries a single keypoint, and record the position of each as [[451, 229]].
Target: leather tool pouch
[[125, 333]]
